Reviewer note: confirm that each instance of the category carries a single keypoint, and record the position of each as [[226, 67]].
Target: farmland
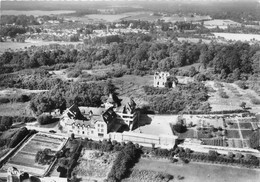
[[21, 46], [195, 172], [95, 165], [238, 37], [34, 13], [92, 18], [24, 159], [235, 95]]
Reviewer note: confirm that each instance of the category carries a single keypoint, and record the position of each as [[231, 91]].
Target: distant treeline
[[139, 52]]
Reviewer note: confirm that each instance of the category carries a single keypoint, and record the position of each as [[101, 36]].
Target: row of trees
[[212, 156], [231, 62], [7, 121]]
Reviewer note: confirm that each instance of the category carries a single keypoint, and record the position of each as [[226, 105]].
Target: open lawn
[[198, 172]]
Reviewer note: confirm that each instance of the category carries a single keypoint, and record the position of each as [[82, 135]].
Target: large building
[[160, 79], [115, 115]]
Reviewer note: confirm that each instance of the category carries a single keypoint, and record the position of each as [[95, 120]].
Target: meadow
[[196, 172], [34, 12]]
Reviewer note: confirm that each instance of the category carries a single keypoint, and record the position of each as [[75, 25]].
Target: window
[[83, 132], [102, 130], [100, 134], [102, 125], [98, 125], [92, 132]]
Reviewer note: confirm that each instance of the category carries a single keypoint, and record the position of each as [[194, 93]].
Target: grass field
[[238, 37], [197, 172], [236, 97]]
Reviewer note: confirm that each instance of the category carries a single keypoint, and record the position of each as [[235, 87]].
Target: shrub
[[23, 98], [45, 119], [242, 84], [74, 73], [223, 94], [255, 101], [18, 137]]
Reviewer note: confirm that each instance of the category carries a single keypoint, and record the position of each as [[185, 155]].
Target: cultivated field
[[238, 37], [236, 96], [24, 159], [195, 172], [94, 165]]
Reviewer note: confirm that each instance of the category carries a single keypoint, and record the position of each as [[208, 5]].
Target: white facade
[[160, 79]]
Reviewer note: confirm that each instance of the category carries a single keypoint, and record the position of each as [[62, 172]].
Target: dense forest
[[62, 96], [141, 54]]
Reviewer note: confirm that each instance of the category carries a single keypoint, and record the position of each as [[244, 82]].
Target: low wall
[[162, 141]]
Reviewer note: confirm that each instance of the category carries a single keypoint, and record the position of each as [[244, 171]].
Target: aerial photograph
[[130, 91]]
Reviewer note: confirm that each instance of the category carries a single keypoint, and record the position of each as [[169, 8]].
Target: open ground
[[197, 172]]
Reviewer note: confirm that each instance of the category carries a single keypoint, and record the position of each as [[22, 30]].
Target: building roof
[[94, 110]]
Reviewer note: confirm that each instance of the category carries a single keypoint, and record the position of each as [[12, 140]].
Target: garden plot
[[95, 165], [24, 159]]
